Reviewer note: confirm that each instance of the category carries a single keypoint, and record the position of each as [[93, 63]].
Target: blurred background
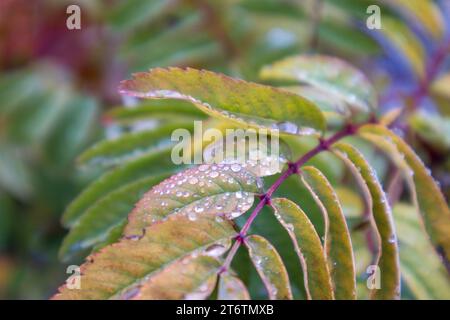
[[56, 83]]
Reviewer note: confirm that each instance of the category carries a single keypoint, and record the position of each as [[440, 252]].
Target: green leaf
[[440, 92], [73, 130], [406, 43], [113, 236], [231, 288], [173, 259], [381, 218], [422, 269], [351, 202], [220, 189], [426, 12], [157, 108], [332, 75], [434, 129], [308, 247], [116, 178], [425, 193], [245, 103], [192, 279], [270, 267], [345, 38], [327, 103], [15, 175], [131, 145], [337, 242], [32, 123], [96, 224], [132, 13]]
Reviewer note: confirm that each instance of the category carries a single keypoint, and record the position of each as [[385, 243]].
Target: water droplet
[[286, 126], [215, 250], [290, 226], [235, 214], [235, 167], [214, 174], [193, 180], [199, 209], [192, 216], [392, 239], [259, 183]]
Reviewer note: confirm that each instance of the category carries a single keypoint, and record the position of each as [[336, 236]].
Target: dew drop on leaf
[[235, 167]]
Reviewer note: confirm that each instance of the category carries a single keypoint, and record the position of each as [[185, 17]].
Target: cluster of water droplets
[[224, 190]]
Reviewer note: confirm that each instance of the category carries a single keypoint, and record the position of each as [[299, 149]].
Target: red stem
[[323, 145], [432, 71]]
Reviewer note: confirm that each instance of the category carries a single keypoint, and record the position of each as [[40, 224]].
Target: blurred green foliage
[[54, 84]]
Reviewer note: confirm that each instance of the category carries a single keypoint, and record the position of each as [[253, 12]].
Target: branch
[[432, 71], [294, 167]]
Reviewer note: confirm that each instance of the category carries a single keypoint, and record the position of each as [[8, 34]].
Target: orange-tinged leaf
[[246, 103], [231, 288], [270, 267], [381, 217], [135, 267], [193, 278], [308, 247], [337, 243]]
